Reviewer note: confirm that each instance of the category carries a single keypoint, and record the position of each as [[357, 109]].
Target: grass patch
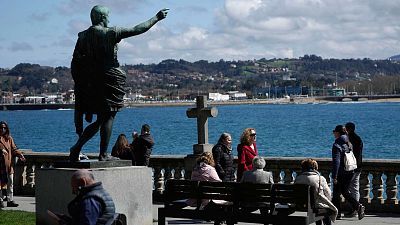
[[14, 217]]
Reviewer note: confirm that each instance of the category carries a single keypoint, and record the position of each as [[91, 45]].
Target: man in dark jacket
[[357, 143], [341, 177], [142, 146], [92, 204]]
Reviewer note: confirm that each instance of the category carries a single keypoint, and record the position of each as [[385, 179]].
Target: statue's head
[[99, 14]]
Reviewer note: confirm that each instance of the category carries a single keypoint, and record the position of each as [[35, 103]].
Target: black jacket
[[339, 147], [223, 162], [357, 143], [142, 148]]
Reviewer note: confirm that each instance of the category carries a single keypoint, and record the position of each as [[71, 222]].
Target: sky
[[45, 31]]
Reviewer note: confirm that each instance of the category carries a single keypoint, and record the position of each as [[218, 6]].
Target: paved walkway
[[28, 204]]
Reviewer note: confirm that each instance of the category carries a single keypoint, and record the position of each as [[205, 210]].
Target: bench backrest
[[295, 195], [180, 190], [216, 190], [248, 193]]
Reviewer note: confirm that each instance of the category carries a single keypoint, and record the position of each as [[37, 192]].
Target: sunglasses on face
[[253, 135]]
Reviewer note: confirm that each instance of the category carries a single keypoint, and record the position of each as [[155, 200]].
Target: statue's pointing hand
[[162, 14]]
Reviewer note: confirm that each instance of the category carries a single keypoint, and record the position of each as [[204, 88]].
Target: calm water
[[282, 130]]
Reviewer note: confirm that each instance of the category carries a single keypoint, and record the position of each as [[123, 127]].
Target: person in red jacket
[[247, 150]]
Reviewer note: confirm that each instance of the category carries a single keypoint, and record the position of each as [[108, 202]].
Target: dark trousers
[[326, 220], [342, 188]]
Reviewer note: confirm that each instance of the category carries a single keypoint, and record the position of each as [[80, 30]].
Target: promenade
[[28, 204]]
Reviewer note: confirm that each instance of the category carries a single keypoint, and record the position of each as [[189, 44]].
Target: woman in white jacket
[[323, 196]]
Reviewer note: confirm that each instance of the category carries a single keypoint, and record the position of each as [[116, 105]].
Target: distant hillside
[[395, 58], [179, 77]]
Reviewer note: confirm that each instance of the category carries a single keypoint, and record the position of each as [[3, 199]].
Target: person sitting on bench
[[322, 193]]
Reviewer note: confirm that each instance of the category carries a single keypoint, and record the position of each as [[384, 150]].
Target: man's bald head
[[81, 178], [99, 14]]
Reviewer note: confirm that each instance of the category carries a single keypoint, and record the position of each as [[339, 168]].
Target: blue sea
[[303, 130]]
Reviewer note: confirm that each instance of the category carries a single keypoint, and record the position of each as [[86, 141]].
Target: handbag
[[350, 162]]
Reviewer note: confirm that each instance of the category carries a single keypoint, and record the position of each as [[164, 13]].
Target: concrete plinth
[[130, 187], [92, 163]]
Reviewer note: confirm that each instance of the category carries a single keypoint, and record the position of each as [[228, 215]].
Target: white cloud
[[232, 30], [342, 28]]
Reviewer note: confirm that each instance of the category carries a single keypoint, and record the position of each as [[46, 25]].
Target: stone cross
[[202, 112]]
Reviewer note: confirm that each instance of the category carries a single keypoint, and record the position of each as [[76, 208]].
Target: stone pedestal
[[92, 163], [200, 148], [130, 187]]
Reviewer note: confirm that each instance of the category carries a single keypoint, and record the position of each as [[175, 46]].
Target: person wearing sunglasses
[[247, 150], [8, 152]]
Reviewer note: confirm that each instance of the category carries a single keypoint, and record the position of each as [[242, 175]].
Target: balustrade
[[364, 188], [379, 180], [391, 189]]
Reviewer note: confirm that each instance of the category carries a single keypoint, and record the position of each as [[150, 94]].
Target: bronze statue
[[99, 82]]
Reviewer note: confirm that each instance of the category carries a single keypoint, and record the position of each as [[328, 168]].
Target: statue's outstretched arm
[[145, 26]]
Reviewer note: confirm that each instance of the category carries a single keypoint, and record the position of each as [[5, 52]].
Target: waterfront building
[[218, 97]]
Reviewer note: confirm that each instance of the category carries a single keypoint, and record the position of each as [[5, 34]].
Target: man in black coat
[[142, 146], [357, 143]]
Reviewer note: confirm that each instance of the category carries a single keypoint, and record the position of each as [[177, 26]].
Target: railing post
[[364, 188], [377, 188], [391, 189], [159, 180], [288, 179], [30, 175], [179, 173], [276, 173], [169, 174]]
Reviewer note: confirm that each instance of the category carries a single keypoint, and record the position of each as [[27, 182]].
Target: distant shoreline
[[309, 100]]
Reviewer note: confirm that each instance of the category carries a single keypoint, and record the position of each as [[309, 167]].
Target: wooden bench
[[178, 191], [278, 204], [251, 203]]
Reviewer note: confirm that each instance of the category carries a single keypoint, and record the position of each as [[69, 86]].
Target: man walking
[[357, 143]]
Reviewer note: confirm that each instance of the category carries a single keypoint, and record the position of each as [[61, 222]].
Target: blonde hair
[[206, 157], [245, 137]]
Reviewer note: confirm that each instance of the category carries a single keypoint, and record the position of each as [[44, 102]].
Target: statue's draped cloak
[[99, 82]]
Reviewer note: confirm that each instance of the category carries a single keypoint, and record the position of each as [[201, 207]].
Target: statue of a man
[[99, 82]]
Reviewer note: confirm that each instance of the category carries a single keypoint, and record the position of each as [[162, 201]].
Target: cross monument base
[[129, 186]]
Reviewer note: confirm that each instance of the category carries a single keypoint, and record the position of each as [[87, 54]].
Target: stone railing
[[379, 182]]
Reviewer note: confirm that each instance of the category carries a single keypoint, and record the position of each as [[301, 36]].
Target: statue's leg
[[87, 134], [105, 133], [78, 119]]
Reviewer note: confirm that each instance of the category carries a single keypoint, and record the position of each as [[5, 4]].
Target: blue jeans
[[354, 187]]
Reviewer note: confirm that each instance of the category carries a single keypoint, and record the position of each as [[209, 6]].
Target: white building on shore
[[218, 97]]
